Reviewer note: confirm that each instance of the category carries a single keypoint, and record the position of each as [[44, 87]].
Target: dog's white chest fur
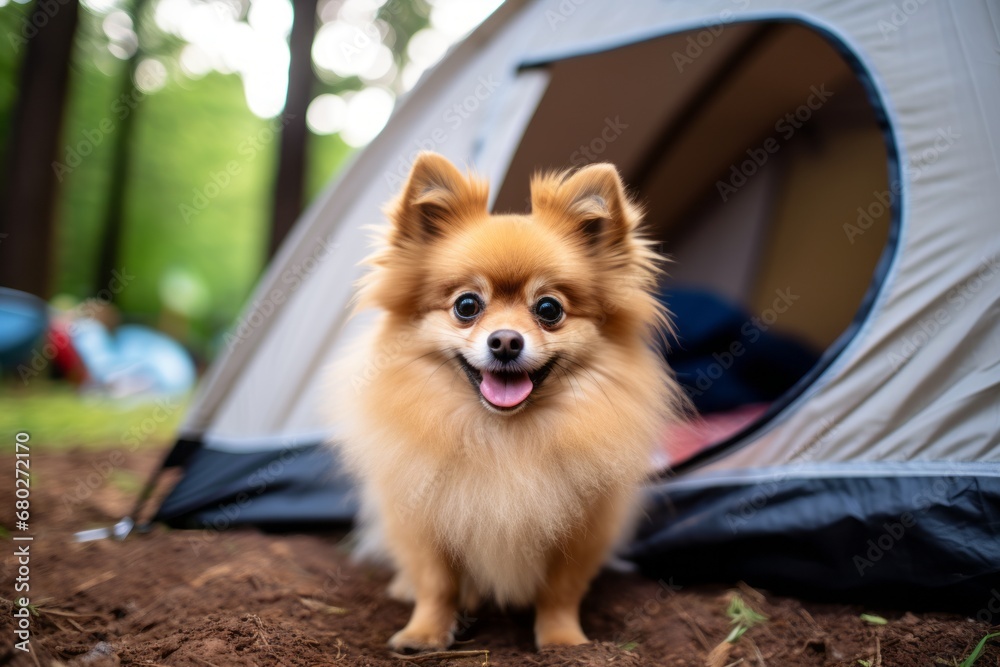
[[499, 519]]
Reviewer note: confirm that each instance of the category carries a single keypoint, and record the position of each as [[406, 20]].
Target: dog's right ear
[[437, 197]]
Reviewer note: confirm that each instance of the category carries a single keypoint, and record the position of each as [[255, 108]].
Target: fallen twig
[[693, 624], [316, 605], [443, 655], [812, 621], [261, 635], [94, 581], [756, 652], [752, 593], [67, 614], [719, 655]]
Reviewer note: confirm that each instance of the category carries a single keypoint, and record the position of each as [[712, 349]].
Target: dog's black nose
[[506, 344]]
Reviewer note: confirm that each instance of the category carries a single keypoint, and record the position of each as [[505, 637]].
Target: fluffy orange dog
[[501, 441]]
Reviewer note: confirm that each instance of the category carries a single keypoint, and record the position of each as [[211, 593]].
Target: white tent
[[838, 155]]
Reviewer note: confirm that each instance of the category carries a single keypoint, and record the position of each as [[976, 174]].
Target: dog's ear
[[437, 197], [590, 203]]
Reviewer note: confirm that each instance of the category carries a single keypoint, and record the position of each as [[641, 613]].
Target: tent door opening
[[760, 156]]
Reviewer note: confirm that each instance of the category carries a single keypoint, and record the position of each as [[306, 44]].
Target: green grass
[[126, 481], [56, 416], [742, 617], [978, 651], [872, 619]]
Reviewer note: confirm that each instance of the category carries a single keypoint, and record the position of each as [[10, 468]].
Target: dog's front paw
[[567, 636], [413, 640], [558, 627]]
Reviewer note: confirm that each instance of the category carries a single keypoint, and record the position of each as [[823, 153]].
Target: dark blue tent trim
[[181, 453], [909, 539], [300, 486], [918, 540]]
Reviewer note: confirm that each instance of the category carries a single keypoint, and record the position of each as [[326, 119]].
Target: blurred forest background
[[155, 151]]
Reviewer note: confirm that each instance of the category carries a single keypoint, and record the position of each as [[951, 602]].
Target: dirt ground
[[245, 598]]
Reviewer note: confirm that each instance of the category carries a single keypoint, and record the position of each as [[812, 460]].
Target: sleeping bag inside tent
[[827, 197]]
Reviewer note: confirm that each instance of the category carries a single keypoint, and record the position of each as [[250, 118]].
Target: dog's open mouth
[[502, 389]]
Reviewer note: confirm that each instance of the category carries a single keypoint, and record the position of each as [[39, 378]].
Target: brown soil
[[246, 598]]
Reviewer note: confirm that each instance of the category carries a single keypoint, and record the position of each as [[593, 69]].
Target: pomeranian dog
[[500, 417]]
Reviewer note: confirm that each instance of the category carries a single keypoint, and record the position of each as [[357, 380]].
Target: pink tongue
[[505, 390]]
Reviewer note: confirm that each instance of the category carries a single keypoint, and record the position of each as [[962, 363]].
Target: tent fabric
[[912, 382], [833, 532], [297, 486], [24, 319]]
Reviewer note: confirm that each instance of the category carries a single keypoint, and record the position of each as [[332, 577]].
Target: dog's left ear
[[590, 203], [437, 197]]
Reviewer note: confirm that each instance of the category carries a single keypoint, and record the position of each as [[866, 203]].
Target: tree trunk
[[289, 188], [29, 187], [109, 251]]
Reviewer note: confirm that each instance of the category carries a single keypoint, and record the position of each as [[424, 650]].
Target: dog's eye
[[468, 306], [548, 310]]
